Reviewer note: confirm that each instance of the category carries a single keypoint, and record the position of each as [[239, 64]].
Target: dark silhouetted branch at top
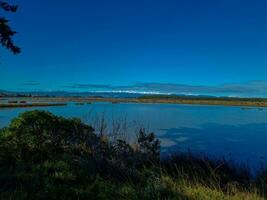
[[6, 33], [7, 7]]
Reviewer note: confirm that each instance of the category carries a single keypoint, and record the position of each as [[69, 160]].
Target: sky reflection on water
[[239, 134]]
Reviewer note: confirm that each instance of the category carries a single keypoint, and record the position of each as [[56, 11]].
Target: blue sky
[[85, 45]]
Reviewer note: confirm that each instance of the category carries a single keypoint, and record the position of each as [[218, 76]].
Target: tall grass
[[193, 174]]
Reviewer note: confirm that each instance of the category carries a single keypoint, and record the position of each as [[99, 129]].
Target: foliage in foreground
[[43, 156]]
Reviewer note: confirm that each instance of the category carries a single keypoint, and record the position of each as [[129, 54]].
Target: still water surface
[[233, 132]]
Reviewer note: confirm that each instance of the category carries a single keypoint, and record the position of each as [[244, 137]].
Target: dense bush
[[42, 155]]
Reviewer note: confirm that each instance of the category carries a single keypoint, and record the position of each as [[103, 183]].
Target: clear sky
[[82, 45]]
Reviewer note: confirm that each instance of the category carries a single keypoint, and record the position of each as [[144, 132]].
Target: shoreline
[[26, 105], [62, 101]]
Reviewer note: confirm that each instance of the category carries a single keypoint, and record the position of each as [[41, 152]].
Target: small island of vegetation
[[23, 104]]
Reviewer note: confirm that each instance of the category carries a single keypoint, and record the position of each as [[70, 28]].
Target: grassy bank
[[43, 156], [226, 101]]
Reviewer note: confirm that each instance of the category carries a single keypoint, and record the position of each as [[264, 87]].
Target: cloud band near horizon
[[249, 89]]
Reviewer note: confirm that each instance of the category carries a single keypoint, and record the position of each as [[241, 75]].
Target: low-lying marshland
[[226, 101]]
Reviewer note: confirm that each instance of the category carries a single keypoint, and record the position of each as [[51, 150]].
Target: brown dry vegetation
[[42, 101]]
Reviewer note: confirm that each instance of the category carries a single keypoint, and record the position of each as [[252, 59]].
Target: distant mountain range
[[71, 94], [4, 93]]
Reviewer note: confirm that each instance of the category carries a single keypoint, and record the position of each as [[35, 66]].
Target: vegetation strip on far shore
[[204, 100], [167, 99], [24, 105]]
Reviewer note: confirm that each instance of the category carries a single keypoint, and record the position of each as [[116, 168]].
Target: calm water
[[238, 134]]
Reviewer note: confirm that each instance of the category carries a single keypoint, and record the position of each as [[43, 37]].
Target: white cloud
[[249, 89]]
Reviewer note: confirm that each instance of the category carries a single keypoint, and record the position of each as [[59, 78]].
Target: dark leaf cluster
[[6, 32]]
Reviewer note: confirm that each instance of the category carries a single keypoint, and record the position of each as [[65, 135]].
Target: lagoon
[[237, 133]]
